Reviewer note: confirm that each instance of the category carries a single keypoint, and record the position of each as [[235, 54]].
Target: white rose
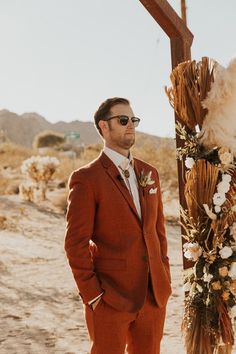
[[189, 162], [219, 199], [232, 271], [226, 178], [223, 187], [226, 252], [192, 251]]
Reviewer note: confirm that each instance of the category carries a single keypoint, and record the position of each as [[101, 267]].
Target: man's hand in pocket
[[95, 303]]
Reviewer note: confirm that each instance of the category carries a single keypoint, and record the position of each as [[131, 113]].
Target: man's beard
[[127, 143]]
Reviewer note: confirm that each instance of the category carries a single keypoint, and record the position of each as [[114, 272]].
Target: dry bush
[[60, 201], [91, 152], [164, 159], [3, 222], [48, 138], [12, 155]]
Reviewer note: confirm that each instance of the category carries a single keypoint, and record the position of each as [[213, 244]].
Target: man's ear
[[102, 125]]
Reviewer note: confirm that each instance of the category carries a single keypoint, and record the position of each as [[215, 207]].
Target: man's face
[[117, 135]]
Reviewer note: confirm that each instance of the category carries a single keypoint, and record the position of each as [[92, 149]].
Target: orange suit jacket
[[127, 249]]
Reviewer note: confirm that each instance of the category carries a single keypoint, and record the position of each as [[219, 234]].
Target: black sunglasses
[[123, 120]]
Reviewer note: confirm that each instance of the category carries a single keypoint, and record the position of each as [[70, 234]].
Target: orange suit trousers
[[113, 332]]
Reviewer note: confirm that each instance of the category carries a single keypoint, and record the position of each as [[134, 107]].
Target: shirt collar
[[118, 159]]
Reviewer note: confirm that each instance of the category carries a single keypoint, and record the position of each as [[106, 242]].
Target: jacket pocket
[[109, 264]]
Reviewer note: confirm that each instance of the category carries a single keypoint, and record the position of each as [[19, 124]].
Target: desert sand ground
[[40, 310]]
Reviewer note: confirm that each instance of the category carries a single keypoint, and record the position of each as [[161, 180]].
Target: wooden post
[[180, 42], [183, 12]]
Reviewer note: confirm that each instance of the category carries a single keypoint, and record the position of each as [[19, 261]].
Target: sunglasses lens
[[135, 121], [123, 120]]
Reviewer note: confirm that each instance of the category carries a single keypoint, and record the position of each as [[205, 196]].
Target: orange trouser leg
[[110, 330], [107, 328], [145, 333]]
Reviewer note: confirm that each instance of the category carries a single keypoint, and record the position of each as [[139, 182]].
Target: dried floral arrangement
[[203, 95]]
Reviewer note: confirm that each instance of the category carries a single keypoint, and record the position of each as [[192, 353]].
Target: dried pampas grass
[[191, 82], [219, 127]]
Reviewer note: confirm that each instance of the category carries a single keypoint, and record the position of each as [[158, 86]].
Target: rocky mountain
[[21, 129]]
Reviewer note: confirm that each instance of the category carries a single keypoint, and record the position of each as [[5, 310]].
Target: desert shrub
[[48, 138], [91, 152], [60, 201], [12, 155], [164, 159], [38, 170]]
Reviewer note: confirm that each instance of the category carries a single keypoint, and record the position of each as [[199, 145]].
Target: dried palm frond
[[191, 82], [226, 329], [197, 338], [200, 187]]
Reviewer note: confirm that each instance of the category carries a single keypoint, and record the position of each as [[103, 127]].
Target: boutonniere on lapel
[[145, 180]]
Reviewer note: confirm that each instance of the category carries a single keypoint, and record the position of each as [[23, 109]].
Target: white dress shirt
[[123, 163]]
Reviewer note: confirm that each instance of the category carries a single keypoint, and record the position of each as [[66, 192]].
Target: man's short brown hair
[[104, 109]]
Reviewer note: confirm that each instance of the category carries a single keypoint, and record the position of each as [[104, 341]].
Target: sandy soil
[[40, 309]]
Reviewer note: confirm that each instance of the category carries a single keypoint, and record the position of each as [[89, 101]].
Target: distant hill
[[21, 129]]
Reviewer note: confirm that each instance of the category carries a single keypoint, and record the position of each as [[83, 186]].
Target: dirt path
[[40, 309]]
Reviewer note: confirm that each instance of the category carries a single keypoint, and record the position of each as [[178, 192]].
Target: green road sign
[[72, 135]]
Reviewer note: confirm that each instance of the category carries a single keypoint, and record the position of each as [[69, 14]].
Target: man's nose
[[130, 123]]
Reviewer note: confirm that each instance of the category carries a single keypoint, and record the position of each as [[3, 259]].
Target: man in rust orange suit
[[116, 242]]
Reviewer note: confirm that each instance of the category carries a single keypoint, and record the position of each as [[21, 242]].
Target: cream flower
[[226, 178], [219, 198], [189, 162], [226, 252], [217, 209], [223, 187], [192, 251], [226, 158], [232, 271]]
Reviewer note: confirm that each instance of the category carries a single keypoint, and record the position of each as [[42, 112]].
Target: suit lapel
[[114, 174]]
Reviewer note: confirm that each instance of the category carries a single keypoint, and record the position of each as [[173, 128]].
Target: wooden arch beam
[[180, 36]]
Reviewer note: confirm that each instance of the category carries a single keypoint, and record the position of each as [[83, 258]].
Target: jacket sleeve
[[160, 227], [80, 223]]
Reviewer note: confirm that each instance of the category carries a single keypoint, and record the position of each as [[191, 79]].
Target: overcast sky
[[62, 58]]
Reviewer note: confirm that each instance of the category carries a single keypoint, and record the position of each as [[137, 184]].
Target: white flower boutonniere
[[146, 180]]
